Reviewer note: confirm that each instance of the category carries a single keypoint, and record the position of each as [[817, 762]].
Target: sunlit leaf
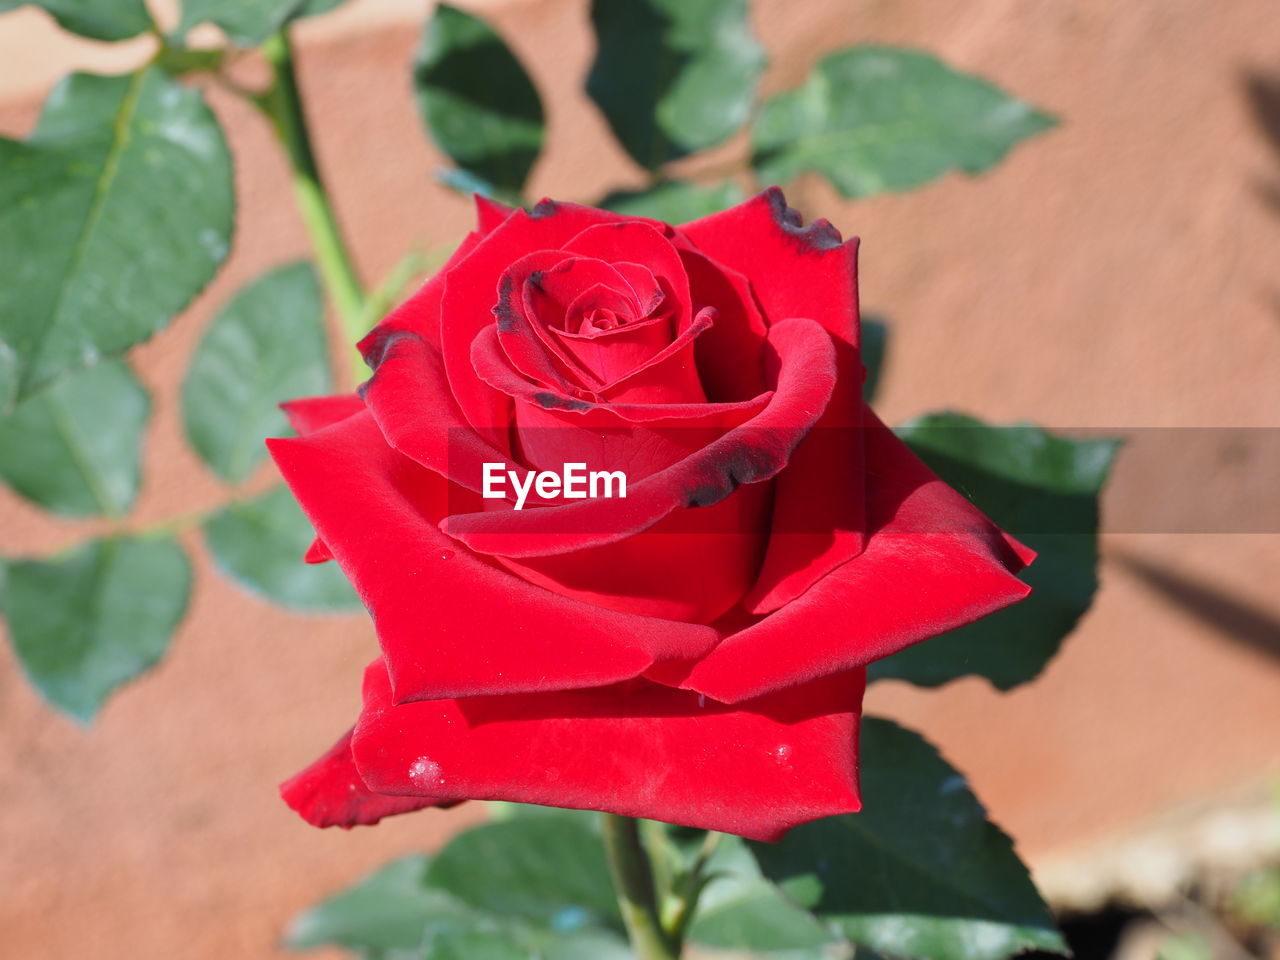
[[872, 119], [1042, 488], [259, 543], [920, 872], [74, 447], [113, 215], [673, 77], [89, 621], [267, 345], [476, 100], [675, 202], [97, 19]]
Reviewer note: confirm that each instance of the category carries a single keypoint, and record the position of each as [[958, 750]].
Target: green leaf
[[74, 448], [113, 215], [741, 909], [517, 942], [442, 910], [98, 19], [476, 100], [249, 22], [84, 623], [673, 77], [675, 202], [549, 871], [259, 543], [387, 910], [267, 345], [872, 119], [1044, 490], [920, 872], [875, 342]]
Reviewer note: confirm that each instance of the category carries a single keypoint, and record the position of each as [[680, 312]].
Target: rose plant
[[688, 659]]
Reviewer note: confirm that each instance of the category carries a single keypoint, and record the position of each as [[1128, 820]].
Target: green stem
[[283, 105], [633, 878]]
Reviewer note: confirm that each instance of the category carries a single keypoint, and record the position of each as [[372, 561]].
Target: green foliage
[[530, 867], [872, 119], [919, 872], [86, 622], [388, 910], [741, 909], [531, 886], [97, 19], [267, 345], [673, 77], [113, 215], [1043, 489], [74, 447], [478, 103], [248, 22], [259, 543], [675, 201]]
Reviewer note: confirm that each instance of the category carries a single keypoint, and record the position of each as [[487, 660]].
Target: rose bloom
[[694, 652]]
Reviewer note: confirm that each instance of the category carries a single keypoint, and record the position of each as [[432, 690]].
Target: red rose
[[693, 652]]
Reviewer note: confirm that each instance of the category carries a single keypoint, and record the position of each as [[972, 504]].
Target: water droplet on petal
[[424, 772], [446, 554], [782, 753]]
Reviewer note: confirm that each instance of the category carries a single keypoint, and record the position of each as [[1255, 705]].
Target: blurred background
[[1121, 271]]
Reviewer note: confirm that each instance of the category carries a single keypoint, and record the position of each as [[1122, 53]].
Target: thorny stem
[[637, 899]]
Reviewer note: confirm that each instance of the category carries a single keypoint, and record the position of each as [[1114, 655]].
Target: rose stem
[[282, 104], [633, 879]]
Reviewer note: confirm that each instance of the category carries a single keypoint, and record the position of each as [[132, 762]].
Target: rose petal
[[636, 242], [799, 271], [730, 356], [490, 214], [318, 552], [309, 414], [491, 366], [330, 793], [756, 451], [933, 563], [640, 750], [472, 291], [378, 511]]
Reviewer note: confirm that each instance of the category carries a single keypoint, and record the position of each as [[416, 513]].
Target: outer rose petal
[[490, 214], [799, 271], [330, 793], [309, 414], [638, 749], [932, 563], [450, 623]]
